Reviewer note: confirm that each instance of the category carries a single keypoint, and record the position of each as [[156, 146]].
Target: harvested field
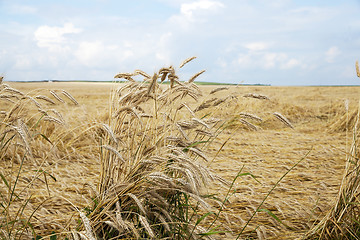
[[269, 129]]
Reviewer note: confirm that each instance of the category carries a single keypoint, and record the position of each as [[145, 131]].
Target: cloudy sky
[[277, 42]]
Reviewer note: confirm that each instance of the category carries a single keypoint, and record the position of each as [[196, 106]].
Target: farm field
[[264, 146]]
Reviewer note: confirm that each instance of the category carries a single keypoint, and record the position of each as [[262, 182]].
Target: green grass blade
[[274, 217], [271, 190], [211, 233], [203, 217], [249, 174], [46, 138], [3, 145], [16, 180], [227, 195], [194, 144], [5, 181], [45, 172]]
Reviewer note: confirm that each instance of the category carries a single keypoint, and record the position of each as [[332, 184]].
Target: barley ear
[[283, 119], [88, 230], [357, 68], [68, 95], [186, 61], [192, 79]]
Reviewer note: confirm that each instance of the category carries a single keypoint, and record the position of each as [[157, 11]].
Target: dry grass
[[342, 221], [95, 140]]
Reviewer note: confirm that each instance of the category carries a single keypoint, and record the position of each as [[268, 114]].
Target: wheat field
[[72, 151]]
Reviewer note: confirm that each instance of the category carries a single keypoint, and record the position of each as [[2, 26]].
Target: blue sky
[[279, 42]]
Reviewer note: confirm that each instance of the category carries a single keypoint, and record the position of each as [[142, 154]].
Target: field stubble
[[266, 150]]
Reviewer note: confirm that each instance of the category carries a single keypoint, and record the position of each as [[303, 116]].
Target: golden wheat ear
[[283, 119], [186, 61], [357, 69]]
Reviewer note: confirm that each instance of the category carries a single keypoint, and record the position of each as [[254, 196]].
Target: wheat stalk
[[218, 89], [8, 98], [142, 73], [57, 114], [45, 98], [53, 119], [192, 79], [13, 90], [249, 125], [283, 119], [205, 133], [187, 107], [200, 122], [146, 225], [205, 104], [23, 137], [113, 150], [138, 203], [152, 85], [57, 97], [109, 131], [255, 95], [219, 101], [86, 221], [34, 101], [357, 69], [75, 235], [165, 71], [250, 116], [13, 109], [43, 112], [68, 95], [186, 61], [126, 76]]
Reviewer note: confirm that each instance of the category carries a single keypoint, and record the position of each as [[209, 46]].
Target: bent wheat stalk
[[186, 61], [283, 119]]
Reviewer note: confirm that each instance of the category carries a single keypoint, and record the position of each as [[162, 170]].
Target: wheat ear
[[186, 61], [249, 125], [53, 119], [57, 96], [250, 116], [218, 89], [258, 96], [192, 79], [45, 98], [86, 221], [68, 95], [142, 73], [283, 119]]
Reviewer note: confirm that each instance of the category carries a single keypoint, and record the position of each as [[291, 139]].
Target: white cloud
[[53, 38], [188, 9], [332, 53], [161, 50], [270, 60], [290, 64], [245, 60], [195, 11], [266, 60], [256, 46], [96, 53], [88, 51]]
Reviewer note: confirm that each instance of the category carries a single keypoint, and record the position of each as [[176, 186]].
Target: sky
[[277, 42]]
